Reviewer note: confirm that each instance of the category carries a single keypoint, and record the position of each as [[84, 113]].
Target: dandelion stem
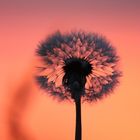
[[78, 131]]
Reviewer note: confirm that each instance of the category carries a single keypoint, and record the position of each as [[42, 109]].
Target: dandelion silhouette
[[77, 66]]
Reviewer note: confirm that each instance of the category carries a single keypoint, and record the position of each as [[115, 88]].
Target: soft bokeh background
[[26, 113]]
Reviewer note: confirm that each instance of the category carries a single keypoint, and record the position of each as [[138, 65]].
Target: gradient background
[[26, 113]]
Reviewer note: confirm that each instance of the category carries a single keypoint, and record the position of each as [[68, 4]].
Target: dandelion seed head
[[77, 61]]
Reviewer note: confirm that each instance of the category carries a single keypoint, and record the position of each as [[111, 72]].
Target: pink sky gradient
[[24, 23]]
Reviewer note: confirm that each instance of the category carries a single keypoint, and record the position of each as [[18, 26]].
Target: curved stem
[[78, 131]]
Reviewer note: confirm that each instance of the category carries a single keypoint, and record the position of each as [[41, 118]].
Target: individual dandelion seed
[[77, 66]]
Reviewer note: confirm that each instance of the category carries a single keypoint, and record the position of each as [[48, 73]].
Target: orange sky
[[24, 24]]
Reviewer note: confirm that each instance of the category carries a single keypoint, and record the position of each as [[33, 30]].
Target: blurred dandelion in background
[[77, 66], [18, 104]]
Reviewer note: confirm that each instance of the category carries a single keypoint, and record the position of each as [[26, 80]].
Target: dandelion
[[77, 66]]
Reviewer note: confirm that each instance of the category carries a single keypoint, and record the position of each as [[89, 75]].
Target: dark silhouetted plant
[[77, 66]]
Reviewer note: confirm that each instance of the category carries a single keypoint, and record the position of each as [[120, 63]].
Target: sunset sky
[[23, 24]]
